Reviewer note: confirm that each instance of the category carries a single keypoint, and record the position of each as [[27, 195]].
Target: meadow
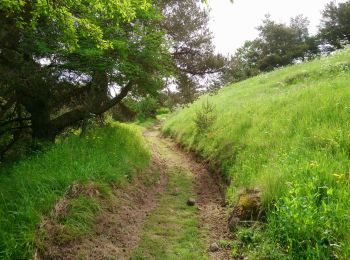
[[286, 133], [30, 188]]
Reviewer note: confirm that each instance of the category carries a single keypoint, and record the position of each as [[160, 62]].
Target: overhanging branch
[[81, 113]]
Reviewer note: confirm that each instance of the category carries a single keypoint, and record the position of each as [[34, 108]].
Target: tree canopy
[[60, 60], [335, 24], [277, 45]]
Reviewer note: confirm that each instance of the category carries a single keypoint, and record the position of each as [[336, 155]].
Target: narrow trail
[[149, 218], [210, 212]]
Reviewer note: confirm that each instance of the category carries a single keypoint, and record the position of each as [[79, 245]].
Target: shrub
[[205, 117], [163, 111]]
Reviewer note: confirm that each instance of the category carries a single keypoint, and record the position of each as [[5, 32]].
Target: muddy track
[[118, 227]]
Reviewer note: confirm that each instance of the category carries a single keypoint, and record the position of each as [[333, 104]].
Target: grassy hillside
[[287, 133], [29, 189]]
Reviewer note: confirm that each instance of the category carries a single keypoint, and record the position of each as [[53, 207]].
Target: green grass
[[30, 188], [171, 231], [288, 133], [76, 223]]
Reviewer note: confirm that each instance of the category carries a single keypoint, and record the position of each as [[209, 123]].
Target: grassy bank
[[287, 133], [29, 189]]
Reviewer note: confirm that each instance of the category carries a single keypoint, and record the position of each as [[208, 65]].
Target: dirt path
[[211, 214], [148, 218]]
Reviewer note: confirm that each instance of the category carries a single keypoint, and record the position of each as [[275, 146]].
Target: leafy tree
[[244, 63], [278, 45], [60, 60], [283, 44], [335, 25]]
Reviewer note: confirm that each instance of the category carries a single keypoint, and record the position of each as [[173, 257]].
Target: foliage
[[287, 134], [278, 45], [29, 188], [59, 62], [186, 24], [335, 25], [147, 108], [308, 220], [139, 109], [163, 111]]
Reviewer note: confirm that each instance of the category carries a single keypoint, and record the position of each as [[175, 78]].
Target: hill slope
[[286, 133]]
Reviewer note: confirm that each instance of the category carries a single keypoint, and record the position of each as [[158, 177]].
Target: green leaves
[[10, 6], [99, 43]]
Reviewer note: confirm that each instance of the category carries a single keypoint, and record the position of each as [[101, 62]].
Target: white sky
[[233, 24]]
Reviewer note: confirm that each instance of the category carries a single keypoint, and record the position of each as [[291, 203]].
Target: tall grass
[[288, 133], [29, 188]]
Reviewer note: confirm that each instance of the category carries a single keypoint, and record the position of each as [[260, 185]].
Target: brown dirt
[[116, 231]]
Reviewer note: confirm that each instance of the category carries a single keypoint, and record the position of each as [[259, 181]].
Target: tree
[[283, 44], [335, 25], [244, 63], [278, 45], [59, 61], [190, 42]]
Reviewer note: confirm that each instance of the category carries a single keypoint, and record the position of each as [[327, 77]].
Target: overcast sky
[[232, 24]]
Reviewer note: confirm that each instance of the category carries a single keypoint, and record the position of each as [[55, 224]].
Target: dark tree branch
[[198, 72], [82, 113]]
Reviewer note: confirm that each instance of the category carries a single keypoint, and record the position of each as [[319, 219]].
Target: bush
[[147, 108]]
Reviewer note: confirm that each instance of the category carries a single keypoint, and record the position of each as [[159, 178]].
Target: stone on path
[[214, 247], [191, 202]]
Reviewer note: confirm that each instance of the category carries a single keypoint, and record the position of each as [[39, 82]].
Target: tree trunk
[[40, 121]]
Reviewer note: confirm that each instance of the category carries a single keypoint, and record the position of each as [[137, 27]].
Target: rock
[[214, 247], [248, 210], [191, 202]]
